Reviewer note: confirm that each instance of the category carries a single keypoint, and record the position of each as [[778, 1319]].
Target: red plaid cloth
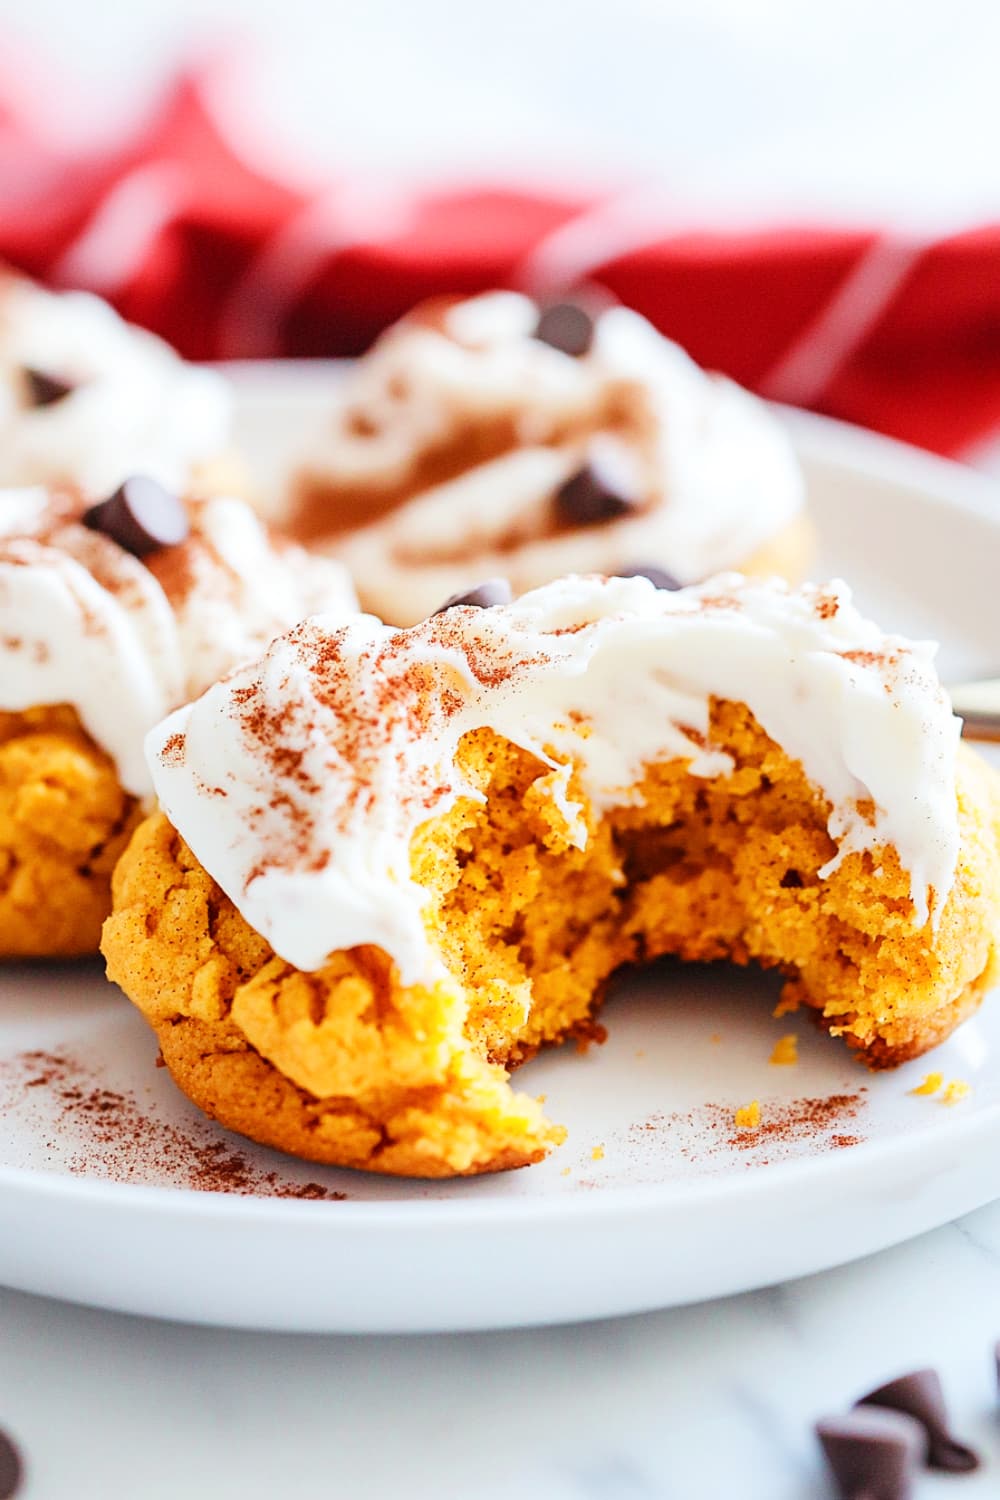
[[179, 229]]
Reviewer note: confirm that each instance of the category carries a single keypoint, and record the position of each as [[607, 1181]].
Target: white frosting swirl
[[123, 641], [356, 730], [135, 408], [714, 473]]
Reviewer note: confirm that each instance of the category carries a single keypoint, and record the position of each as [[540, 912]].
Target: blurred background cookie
[[88, 399], [500, 437]]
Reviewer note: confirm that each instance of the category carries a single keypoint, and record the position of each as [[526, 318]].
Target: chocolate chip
[[46, 390], [920, 1395], [602, 490], [11, 1469], [493, 591], [658, 577], [873, 1455], [566, 326], [140, 516]]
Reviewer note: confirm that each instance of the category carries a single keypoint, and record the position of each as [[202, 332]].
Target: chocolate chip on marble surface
[[44, 389], [658, 577], [919, 1395], [603, 489], [872, 1453], [484, 596], [140, 516], [11, 1468], [566, 326]]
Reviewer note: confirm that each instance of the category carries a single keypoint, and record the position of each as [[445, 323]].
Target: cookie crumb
[[932, 1082], [565, 1171], [597, 1154], [786, 1051], [955, 1090], [747, 1117]]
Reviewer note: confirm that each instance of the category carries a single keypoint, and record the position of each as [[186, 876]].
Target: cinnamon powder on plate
[[104, 1132]]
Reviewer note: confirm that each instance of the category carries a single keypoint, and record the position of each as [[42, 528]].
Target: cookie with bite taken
[[389, 865]]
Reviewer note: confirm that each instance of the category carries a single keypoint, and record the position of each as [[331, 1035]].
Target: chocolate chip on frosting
[[873, 1455], [141, 516], [485, 596], [11, 1470], [919, 1395], [602, 490], [44, 389], [658, 577], [566, 326]]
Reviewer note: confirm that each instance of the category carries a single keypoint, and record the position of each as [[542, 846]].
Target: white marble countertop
[[700, 1403]]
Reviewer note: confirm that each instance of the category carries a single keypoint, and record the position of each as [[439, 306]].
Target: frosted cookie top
[[488, 436], [126, 615], [300, 780], [88, 399]]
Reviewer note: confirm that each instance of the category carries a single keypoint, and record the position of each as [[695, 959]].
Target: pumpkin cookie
[[494, 437], [111, 615], [87, 399], [391, 865]]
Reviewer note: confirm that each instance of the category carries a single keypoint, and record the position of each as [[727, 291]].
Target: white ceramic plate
[[109, 1179]]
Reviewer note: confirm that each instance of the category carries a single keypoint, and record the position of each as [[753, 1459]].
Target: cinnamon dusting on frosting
[[342, 741], [172, 752], [124, 639]]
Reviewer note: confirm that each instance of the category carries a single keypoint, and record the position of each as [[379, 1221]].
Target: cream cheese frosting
[[124, 640], [135, 406], [299, 781], [713, 472]]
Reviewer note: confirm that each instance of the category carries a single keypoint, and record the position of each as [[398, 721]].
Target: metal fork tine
[[978, 703]]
